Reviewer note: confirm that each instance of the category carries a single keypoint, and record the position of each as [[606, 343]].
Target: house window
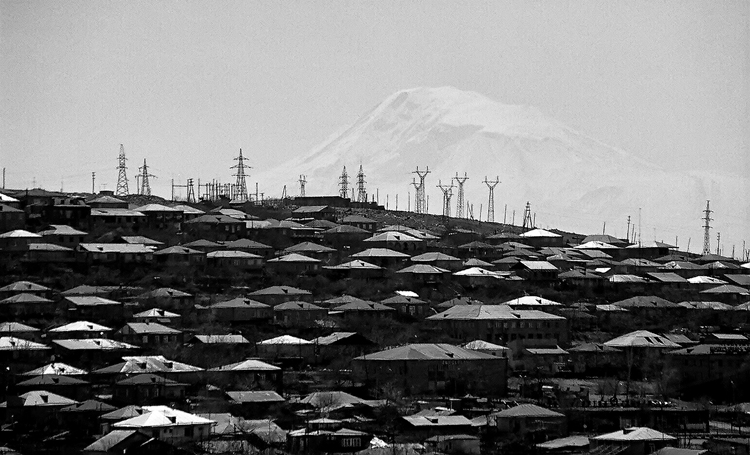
[[350, 442]]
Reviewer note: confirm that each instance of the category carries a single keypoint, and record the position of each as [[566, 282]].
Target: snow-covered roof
[[642, 339], [162, 416], [635, 434], [284, 339]]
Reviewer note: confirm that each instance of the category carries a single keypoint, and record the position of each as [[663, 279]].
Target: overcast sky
[[185, 84]]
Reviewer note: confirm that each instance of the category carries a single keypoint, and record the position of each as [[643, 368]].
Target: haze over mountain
[[573, 182]]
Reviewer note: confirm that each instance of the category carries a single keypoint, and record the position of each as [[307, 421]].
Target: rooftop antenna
[[302, 182], [527, 222], [145, 185], [420, 205], [447, 195], [344, 184], [491, 184], [361, 191], [122, 178], [240, 184], [460, 201], [706, 229]]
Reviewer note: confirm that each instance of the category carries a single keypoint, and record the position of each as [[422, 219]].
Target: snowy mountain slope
[[572, 181]]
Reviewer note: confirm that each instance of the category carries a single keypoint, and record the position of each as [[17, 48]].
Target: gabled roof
[[309, 247], [89, 406], [426, 351], [91, 300], [16, 327], [123, 413], [256, 396], [354, 265], [42, 381], [539, 233], [156, 313], [433, 257], [646, 301], [24, 286], [727, 289], [164, 293], [147, 364], [423, 269], [148, 379], [246, 244], [221, 339], [479, 345], [162, 416], [247, 365], [145, 328], [642, 339], [391, 236], [527, 410], [531, 300], [280, 290], [239, 302], [42, 398], [19, 234], [363, 305], [140, 240], [232, 254], [81, 326], [61, 229], [25, 298]]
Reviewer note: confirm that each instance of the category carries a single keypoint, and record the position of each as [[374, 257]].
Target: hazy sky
[[185, 84]]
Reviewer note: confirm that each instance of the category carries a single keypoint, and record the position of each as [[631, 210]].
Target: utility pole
[[718, 243], [447, 195], [344, 184], [706, 229], [241, 184], [491, 184], [302, 182], [420, 205], [627, 231], [93, 182], [122, 178], [460, 201]]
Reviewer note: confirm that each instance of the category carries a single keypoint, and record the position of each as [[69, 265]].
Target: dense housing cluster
[[140, 326]]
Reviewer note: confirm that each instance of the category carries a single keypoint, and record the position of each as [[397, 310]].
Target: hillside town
[[311, 325]]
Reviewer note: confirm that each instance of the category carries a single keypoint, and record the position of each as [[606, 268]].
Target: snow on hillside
[[572, 181]]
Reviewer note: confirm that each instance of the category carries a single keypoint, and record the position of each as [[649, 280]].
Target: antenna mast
[[361, 191], [122, 178], [240, 185], [706, 229], [420, 205], [460, 201], [145, 185], [344, 184], [491, 184], [447, 195]]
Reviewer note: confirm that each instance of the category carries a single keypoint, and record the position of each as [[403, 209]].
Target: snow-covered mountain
[[572, 181]]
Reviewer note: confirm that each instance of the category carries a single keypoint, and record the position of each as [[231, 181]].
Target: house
[[131, 441], [148, 388], [359, 222], [149, 334], [27, 305], [315, 212], [11, 218], [711, 370], [90, 307], [18, 330], [115, 218], [81, 419], [56, 368], [255, 403], [437, 259], [341, 345], [408, 306], [168, 424], [214, 227], [166, 298], [433, 368], [532, 302], [18, 352], [206, 246], [250, 246], [383, 257], [490, 348], [24, 287], [325, 441], [234, 260], [157, 364], [363, 309], [160, 216], [68, 386], [596, 359], [157, 315], [530, 422], [343, 236], [34, 410], [275, 295], [239, 310], [298, 314], [91, 351], [294, 263], [423, 274], [536, 270], [63, 235], [18, 241], [420, 427], [501, 323], [313, 250], [539, 238], [79, 330], [633, 441], [114, 253], [250, 373], [287, 349], [464, 444], [105, 201], [395, 241], [175, 255], [48, 253]]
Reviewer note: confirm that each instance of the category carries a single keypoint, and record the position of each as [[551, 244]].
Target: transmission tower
[[122, 177], [145, 188], [302, 182], [344, 184], [447, 195], [190, 190], [491, 184], [460, 201], [240, 185], [361, 191], [706, 229], [527, 222], [420, 206]]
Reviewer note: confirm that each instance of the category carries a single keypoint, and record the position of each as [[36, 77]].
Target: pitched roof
[[246, 244], [19, 234], [61, 229], [423, 269], [433, 256], [479, 345], [437, 421], [16, 327], [531, 300], [284, 339], [363, 305], [490, 312], [539, 233], [123, 413], [142, 328], [19, 344], [296, 306], [177, 250], [56, 368], [114, 438], [392, 236], [247, 365], [294, 257], [80, 326], [642, 339], [44, 380], [90, 300], [336, 337], [354, 265], [727, 289], [345, 229], [528, 410], [646, 301], [309, 247], [280, 290], [89, 406], [147, 364], [238, 302], [232, 254], [635, 434], [426, 351], [221, 339], [156, 313], [162, 416], [256, 396], [94, 344], [42, 398], [25, 298], [147, 379], [122, 248], [24, 286], [379, 253]]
